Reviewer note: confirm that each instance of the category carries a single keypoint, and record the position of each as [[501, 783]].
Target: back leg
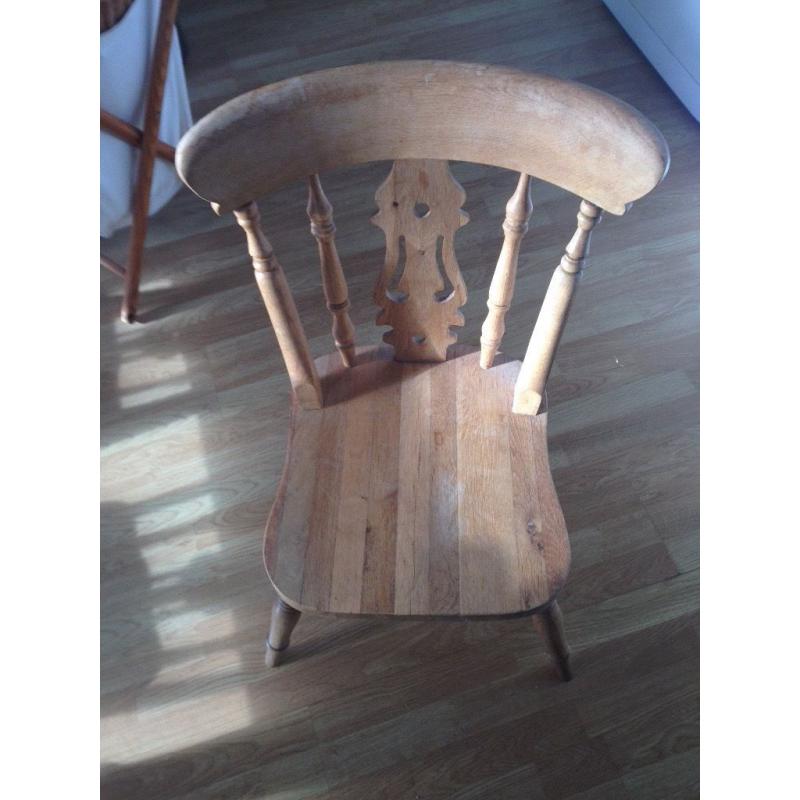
[[550, 625], [284, 618]]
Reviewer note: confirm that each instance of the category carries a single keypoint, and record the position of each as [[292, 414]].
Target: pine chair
[[417, 481]]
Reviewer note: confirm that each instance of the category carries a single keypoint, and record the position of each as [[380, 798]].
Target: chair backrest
[[420, 114]]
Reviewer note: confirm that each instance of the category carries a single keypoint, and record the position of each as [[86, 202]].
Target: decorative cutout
[[393, 293], [420, 288], [421, 210]]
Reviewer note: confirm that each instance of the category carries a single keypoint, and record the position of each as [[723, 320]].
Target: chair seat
[[416, 491]]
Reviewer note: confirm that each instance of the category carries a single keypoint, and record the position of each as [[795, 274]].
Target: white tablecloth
[[125, 55]]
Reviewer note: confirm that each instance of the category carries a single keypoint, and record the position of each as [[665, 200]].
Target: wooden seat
[[417, 480], [416, 491]]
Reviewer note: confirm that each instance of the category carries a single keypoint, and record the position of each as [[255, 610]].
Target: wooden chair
[[417, 481]]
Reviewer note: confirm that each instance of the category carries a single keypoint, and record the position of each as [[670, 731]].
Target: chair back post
[[320, 213], [501, 290], [421, 115], [529, 388], [281, 309]]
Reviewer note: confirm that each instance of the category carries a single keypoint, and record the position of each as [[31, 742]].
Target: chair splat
[[420, 288], [281, 309], [501, 290], [529, 388], [320, 212]]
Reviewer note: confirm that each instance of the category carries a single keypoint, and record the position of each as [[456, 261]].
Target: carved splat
[[420, 289]]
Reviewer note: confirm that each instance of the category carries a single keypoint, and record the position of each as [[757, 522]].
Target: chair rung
[[112, 266]]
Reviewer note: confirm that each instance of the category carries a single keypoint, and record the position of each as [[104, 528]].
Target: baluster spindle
[[320, 212], [529, 388], [281, 309], [501, 290]]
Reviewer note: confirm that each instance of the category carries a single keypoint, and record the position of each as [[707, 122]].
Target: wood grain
[[420, 288], [562, 132], [440, 505]]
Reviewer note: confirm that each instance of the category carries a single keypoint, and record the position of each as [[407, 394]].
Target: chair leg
[[284, 618], [550, 625], [133, 271]]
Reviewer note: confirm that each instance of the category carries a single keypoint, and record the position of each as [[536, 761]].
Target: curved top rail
[[568, 134]]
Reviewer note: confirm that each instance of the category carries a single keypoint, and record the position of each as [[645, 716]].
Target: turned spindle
[[529, 388], [320, 212], [281, 309], [515, 226]]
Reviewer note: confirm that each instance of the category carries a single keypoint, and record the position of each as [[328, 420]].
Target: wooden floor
[[195, 412]]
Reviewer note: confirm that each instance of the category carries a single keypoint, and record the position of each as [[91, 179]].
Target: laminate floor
[[194, 419]]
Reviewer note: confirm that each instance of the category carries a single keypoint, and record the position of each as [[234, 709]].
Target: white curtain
[[125, 56]]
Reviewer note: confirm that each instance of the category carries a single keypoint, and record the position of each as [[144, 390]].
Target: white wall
[[668, 33]]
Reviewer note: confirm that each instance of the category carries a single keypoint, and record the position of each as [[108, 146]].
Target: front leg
[[284, 618], [550, 625]]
